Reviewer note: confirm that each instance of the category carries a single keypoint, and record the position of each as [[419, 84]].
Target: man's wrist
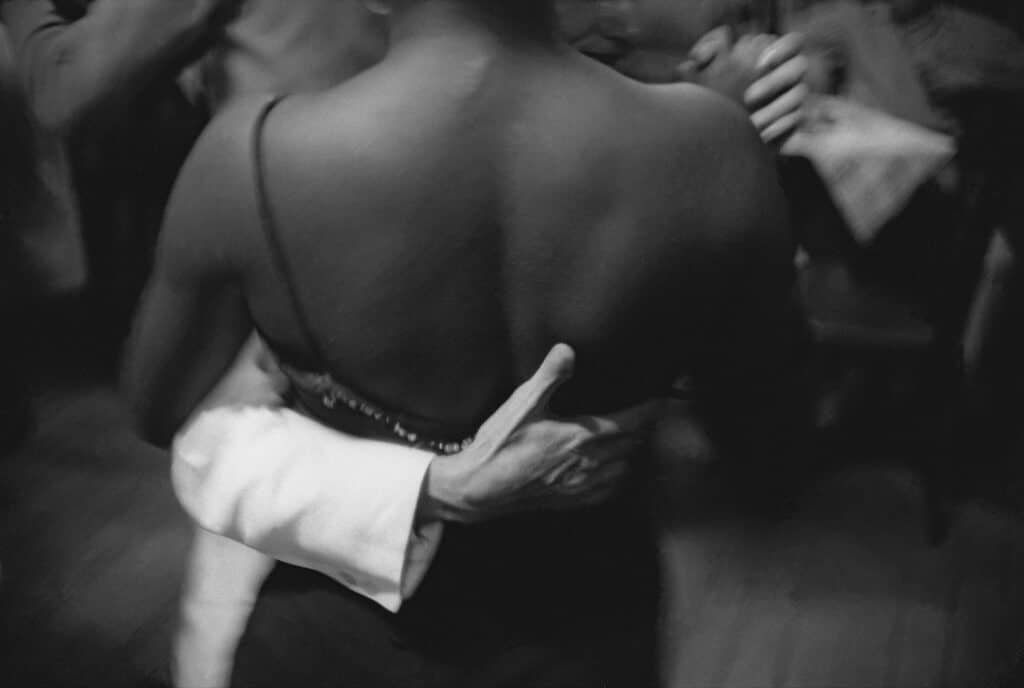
[[438, 501], [429, 508]]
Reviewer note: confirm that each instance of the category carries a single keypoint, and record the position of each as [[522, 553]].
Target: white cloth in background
[[876, 62], [266, 483], [870, 162]]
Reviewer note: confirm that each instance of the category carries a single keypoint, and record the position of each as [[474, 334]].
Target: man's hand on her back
[[525, 459]]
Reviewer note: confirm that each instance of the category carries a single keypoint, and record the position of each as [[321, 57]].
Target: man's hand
[[523, 459], [778, 96], [763, 73]]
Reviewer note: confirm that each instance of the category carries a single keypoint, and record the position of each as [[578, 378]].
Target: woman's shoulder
[[693, 112], [226, 142], [712, 137], [725, 178]]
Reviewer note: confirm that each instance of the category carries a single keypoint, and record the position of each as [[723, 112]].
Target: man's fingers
[[789, 102], [610, 473], [608, 451], [531, 398], [556, 368], [782, 78], [782, 50], [593, 485], [782, 127], [599, 495], [630, 420], [573, 464]]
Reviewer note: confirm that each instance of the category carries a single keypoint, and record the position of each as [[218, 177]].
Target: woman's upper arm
[[193, 318]]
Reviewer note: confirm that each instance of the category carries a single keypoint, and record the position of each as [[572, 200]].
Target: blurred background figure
[[18, 181], [41, 253], [103, 77], [934, 275]]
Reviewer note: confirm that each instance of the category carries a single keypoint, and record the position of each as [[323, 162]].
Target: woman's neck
[[508, 21]]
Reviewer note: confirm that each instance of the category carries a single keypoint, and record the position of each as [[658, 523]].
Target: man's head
[[670, 26], [676, 25]]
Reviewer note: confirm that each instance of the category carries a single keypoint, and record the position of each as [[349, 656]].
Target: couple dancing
[[410, 246]]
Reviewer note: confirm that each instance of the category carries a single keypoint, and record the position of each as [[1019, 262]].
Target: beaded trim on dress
[[332, 395]]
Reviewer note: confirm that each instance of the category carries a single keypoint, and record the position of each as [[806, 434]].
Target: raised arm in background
[[82, 62]]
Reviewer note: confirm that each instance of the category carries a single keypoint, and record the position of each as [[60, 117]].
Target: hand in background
[[763, 73], [777, 99]]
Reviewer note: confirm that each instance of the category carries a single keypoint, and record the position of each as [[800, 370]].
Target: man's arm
[[218, 478], [256, 476], [87, 69], [368, 513]]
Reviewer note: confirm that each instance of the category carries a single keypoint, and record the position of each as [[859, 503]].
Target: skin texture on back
[[450, 214]]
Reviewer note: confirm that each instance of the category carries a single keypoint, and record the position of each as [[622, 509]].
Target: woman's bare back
[[449, 215]]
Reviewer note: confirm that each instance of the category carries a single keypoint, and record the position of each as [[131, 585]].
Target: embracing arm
[[87, 65], [245, 468], [264, 483]]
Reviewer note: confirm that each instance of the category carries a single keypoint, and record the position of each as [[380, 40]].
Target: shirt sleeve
[[307, 495]]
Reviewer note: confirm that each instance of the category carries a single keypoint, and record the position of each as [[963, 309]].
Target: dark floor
[[92, 546], [847, 594]]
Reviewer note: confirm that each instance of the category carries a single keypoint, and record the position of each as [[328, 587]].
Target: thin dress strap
[[268, 223], [322, 386]]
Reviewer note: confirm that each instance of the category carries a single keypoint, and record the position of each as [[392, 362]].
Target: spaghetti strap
[[268, 223], [319, 390]]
